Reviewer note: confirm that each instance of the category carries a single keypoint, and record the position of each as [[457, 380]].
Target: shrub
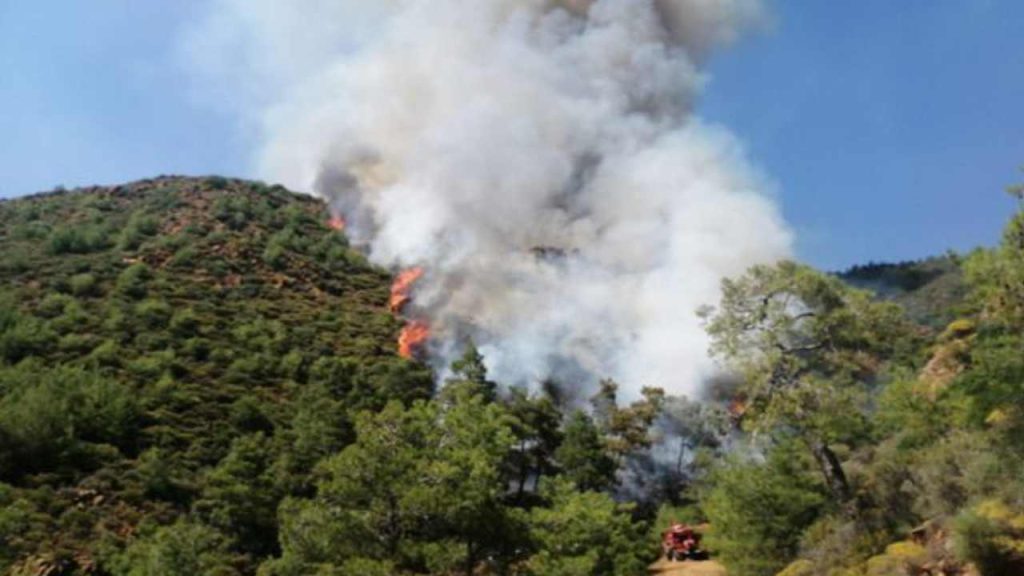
[[31, 231], [77, 343], [19, 528], [909, 554], [240, 498], [181, 549], [9, 315], [139, 227], [71, 319], [117, 321], [216, 182], [15, 262], [185, 323], [133, 280], [28, 337], [170, 242], [583, 454], [996, 378], [235, 212], [274, 255], [152, 366], [293, 366], [835, 542], [296, 217], [991, 535], [154, 313], [104, 411], [185, 256], [955, 471], [46, 411], [107, 354], [36, 417], [319, 427], [156, 470], [84, 285], [53, 305], [198, 349], [584, 534], [760, 510], [251, 369], [247, 416], [798, 568], [335, 374], [78, 240]]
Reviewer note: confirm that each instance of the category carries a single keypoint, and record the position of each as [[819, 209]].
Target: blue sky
[[890, 128], [91, 92]]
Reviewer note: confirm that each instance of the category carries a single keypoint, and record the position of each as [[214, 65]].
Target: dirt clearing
[[689, 568]]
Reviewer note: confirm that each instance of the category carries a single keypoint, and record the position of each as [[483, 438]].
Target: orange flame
[[738, 408], [400, 290], [414, 335], [337, 223]]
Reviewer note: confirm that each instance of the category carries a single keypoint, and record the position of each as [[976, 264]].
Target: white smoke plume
[[540, 159]]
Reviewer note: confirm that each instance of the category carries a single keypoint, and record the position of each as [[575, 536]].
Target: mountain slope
[[144, 328], [932, 291]]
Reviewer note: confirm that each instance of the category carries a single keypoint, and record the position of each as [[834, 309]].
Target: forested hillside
[[875, 445], [200, 376], [153, 334]]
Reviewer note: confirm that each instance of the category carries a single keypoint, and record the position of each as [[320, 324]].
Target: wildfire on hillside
[[738, 408], [414, 335], [337, 223], [402, 288], [572, 242]]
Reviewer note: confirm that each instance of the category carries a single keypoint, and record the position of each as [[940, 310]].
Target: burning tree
[[414, 335], [337, 223], [415, 332], [401, 289]]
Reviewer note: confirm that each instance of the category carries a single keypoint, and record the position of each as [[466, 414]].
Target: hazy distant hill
[[144, 327], [931, 290]]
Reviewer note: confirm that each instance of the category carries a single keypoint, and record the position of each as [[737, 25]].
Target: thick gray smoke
[[540, 159]]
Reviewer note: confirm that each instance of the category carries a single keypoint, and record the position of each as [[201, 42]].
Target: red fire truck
[[682, 542]]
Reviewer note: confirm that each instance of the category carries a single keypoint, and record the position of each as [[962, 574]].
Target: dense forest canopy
[[201, 376]]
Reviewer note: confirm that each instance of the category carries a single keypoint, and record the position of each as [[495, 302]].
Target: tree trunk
[[832, 470], [524, 473], [679, 459]]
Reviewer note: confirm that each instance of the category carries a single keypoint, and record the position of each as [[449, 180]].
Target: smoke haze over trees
[[525, 310]]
